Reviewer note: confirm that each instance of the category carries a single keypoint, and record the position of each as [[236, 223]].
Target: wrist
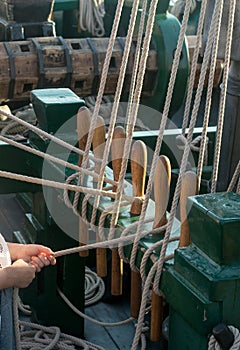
[[16, 250], [6, 280]]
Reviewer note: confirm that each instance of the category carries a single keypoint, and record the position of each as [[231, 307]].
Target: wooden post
[[83, 125], [98, 143], [162, 181], [189, 188], [138, 170], [118, 142]]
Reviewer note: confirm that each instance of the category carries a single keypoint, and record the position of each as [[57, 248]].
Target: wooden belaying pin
[[98, 143], [138, 170], [118, 141], [83, 126], [162, 181], [189, 188]]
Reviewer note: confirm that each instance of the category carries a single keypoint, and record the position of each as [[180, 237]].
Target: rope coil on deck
[[214, 345]]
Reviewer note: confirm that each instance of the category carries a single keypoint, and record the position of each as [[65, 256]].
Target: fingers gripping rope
[[214, 345]]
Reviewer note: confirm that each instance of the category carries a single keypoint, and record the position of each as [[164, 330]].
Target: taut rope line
[[223, 95], [113, 117], [54, 159], [63, 186], [48, 136]]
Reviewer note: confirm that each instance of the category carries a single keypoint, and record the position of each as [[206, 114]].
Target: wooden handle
[[98, 143], [119, 137], [156, 317], [162, 181], [136, 293], [138, 170], [189, 188], [83, 125]]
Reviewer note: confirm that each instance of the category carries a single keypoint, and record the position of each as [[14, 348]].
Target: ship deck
[[109, 310]]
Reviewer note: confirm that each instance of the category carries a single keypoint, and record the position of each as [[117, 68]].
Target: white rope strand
[[223, 95], [47, 135]]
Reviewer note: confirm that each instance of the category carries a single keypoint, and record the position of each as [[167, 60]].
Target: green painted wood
[[215, 225], [53, 107]]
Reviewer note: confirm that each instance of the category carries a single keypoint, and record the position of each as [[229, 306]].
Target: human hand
[[38, 255], [20, 274]]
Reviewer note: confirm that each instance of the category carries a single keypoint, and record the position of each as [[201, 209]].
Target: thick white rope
[[227, 59], [54, 159], [113, 118], [63, 186], [46, 135], [94, 287], [178, 7], [47, 338], [91, 16], [235, 178], [217, 12], [204, 141], [101, 88], [133, 110], [81, 314], [214, 345], [161, 131], [182, 168]]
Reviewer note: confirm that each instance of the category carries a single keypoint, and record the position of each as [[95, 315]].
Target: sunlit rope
[[113, 118], [46, 135], [235, 178], [54, 159], [63, 186], [184, 160], [91, 15], [178, 7], [101, 91], [221, 114]]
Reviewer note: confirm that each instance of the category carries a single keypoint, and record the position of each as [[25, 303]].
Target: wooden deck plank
[[120, 337]]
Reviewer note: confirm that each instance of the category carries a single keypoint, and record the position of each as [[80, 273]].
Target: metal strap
[[12, 70], [95, 62], [68, 62], [40, 62], [122, 44]]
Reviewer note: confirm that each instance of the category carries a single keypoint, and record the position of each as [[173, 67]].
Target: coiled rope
[[214, 345], [91, 15]]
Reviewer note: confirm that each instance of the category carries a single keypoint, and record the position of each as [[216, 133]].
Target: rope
[[235, 178], [9, 127], [47, 338], [54, 159], [113, 118], [223, 95], [94, 287], [46, 135], [63, 186], [91, 15], [195, 145], [214, 345], [178, 7]]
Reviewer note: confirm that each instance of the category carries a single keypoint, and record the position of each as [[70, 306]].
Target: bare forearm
[[15, 250]]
